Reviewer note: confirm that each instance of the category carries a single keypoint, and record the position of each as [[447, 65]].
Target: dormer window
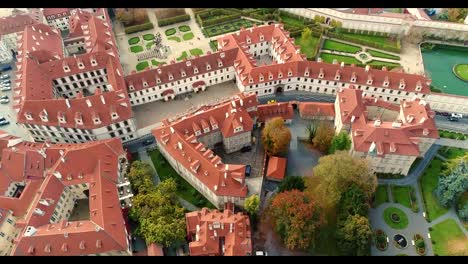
[[385, 83], [208, 67], [28, 116], [220, 64], [306, 73], [321, 74], [171, 77], [289, 73], [221, 54], [353, 79], [270, 77], [249, 41], [145, 84], [337, 76], [158, 80], [369, 81], [114, 115], [183, 74], [215, 126], [96, 120], [131, 87], [195, 70], [197, 133], [402, 84], [261, 78], [79, 121], [418, 86], [280, 75], [238, 129], [188, 63], [80, 65], [206, 130], [66, 68], [262, 38], [250, 80], [93, 62]]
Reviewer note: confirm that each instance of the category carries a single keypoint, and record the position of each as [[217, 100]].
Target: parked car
[[248, 170], [5, 68], [7, 81], [4, 122], [2, 119], [443, 113], [453, 119], [4, 97], [5, 88], [456, 115], [246, 149], [4, 101], [261, 253], [148, 142], [4, 77]]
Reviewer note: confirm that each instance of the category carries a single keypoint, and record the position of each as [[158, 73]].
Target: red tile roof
[[268, 111], [178, 138], [41, 61], [276, 168], [209, 226], [97, 162], [57, 12], [15, 23], [400, 137], [155, 250], [317, 109]]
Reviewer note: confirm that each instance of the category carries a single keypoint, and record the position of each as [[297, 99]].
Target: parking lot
[[7, 111]]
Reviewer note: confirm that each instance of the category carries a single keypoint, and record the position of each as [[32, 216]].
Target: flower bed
[[402, 218], [381, 240], [188, 36], [142, 65], [133, 40], [170, 32], [395, 217], [419, 244], [148, 37], [184, 28], [136, 49]]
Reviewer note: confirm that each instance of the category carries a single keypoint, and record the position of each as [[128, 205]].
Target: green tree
[[140, 176], [354, 236], [311, 129], [335, 173], [463, 212], [353, 202], [453, 185], [323, 137], [296, 218], [161, 217], [275, 136], [306, 34], [291, 183], [340, 142], [252, 204]]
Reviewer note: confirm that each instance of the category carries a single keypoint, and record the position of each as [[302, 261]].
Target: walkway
[[452, 143], [451, 214]]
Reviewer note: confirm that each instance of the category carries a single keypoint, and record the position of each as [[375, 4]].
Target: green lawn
[[308, 46], [403, 218], [170, 31], [461, 71], [136, 49], [444, 232], [149, 45], [452, 135], [183, 56], [291, 20], [174, 38], [142, 65], [148, 37], [133, 40], [381, 195], [401, 195], [382, 55], [156, 63], [376, 39], [380, 64], [327, 57], [184, 28], [196, 51], [339, 46], [428, 183], [451, 153], [188, 36], [184, 189]]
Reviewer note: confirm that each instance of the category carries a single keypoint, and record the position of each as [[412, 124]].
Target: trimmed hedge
[[396, 48], [184, 28], [148, 37], [203, 18], [173, 20], [137, 28], [170, 32], [134, 40]]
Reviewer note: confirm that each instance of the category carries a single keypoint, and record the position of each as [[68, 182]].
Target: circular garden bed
[[461, 71], [363, 56], [395, 218], [381, 240], [184, 28], [170, 32]]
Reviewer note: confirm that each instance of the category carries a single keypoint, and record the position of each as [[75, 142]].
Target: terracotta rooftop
[[276, 168], [268, 111], [399, 137], [317, 109], [180, 139], [15, 23], [57, 12], [208, 227], [155, 250], [46, 170]]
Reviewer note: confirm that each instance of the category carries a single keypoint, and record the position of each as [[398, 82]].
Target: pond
[[400, 240], [438, 64], [301, 157]]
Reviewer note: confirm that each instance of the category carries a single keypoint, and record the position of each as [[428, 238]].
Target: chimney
[[367, 68]]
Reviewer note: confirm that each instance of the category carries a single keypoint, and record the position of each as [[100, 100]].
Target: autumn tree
[[354, 236], [323, 137], [275, 136], [251, 205], [453, 185], [342, 141], [140, 15], [125, 15], [335, 173], [291, 183], [161, 217], [453, 14], [306, 33], [296, 218], [140, 176]]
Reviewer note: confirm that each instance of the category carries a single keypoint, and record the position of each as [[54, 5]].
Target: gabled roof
[[317, 109], [276, 168], [268, 111], [15, 23]]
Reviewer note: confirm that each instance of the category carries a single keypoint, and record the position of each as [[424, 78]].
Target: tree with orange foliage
[[296, 218], [323, 137], [275, 136], [140, 16]]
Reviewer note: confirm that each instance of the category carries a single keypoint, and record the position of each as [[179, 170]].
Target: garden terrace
[[340, 46]]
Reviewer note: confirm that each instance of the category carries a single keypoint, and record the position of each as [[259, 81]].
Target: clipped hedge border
[[137, 28], [173, 20]]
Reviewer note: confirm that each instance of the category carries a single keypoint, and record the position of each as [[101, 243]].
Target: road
[[443, 123], [297, 95], [7, 111]]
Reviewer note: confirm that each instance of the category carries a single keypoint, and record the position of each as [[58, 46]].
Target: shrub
[[420, 243], [148, 37], [170, 31], [137, 28], [184, 28], [173, 20], [133, 40]]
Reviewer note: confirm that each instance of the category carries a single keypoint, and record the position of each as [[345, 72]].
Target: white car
[[457, 115], [261, 253], [4, 101], [6, 88]]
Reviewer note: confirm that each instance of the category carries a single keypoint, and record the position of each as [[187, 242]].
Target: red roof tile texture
[[15, 23], [208, 227], [276, 168], [317, 109], [268, 111]]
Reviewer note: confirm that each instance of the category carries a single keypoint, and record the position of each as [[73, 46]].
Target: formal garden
[[405, 195], [180, 33], [141, 43], [395, 218], [227, 27], [381, 195]]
